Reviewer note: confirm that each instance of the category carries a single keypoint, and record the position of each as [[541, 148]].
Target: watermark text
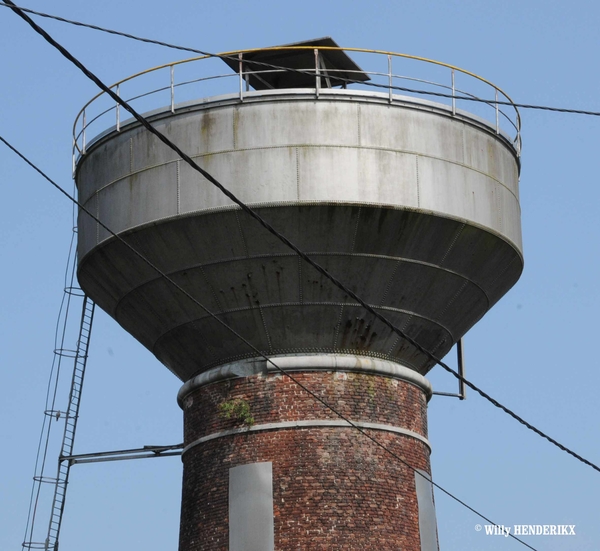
[[527, 529]]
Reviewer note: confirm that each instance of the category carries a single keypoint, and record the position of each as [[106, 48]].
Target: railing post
[[453, 95], [241, 73], [118, 111], [390, 77], [317, 74], [83, 126], [497, 114], [172, 89]]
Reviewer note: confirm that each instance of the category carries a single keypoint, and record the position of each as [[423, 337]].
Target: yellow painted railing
[[425, 79]]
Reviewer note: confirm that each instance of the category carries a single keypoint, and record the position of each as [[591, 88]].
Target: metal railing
[[476, 96]]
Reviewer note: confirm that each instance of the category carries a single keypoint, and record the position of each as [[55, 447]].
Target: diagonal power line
[[252, 347], [287, 242]]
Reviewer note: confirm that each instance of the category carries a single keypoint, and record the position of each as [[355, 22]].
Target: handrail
[[388, 82]]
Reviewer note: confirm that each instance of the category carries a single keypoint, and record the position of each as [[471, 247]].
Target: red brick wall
[[332, 487]]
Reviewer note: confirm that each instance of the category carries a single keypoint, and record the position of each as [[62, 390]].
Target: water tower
[[412, 203]]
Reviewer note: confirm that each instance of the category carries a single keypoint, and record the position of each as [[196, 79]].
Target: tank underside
[[433, 277]]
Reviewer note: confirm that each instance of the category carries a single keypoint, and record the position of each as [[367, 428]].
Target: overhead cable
[[250, 345], [301, 71], [253, 214]]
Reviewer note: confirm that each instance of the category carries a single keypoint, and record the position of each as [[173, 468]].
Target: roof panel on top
[[335, 66]]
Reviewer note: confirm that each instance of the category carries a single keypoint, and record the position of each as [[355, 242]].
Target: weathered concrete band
[[312, 423], [308, 362]]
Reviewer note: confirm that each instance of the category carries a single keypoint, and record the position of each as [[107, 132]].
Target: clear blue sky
[[535, 351]]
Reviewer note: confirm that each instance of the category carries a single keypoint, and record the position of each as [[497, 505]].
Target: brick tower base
[[285, 473]]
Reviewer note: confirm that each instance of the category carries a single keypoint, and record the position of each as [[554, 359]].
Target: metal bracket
[[462, 388], [122, 455]]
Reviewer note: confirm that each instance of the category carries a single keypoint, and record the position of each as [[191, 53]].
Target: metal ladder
[[64, 465], [57, 486]]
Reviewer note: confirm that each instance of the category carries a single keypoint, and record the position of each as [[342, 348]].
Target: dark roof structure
[[335, 66]]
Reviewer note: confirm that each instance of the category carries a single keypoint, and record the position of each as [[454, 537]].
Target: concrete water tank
[[412, 203]]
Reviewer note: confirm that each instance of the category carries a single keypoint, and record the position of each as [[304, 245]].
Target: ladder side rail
[[62, 478]]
